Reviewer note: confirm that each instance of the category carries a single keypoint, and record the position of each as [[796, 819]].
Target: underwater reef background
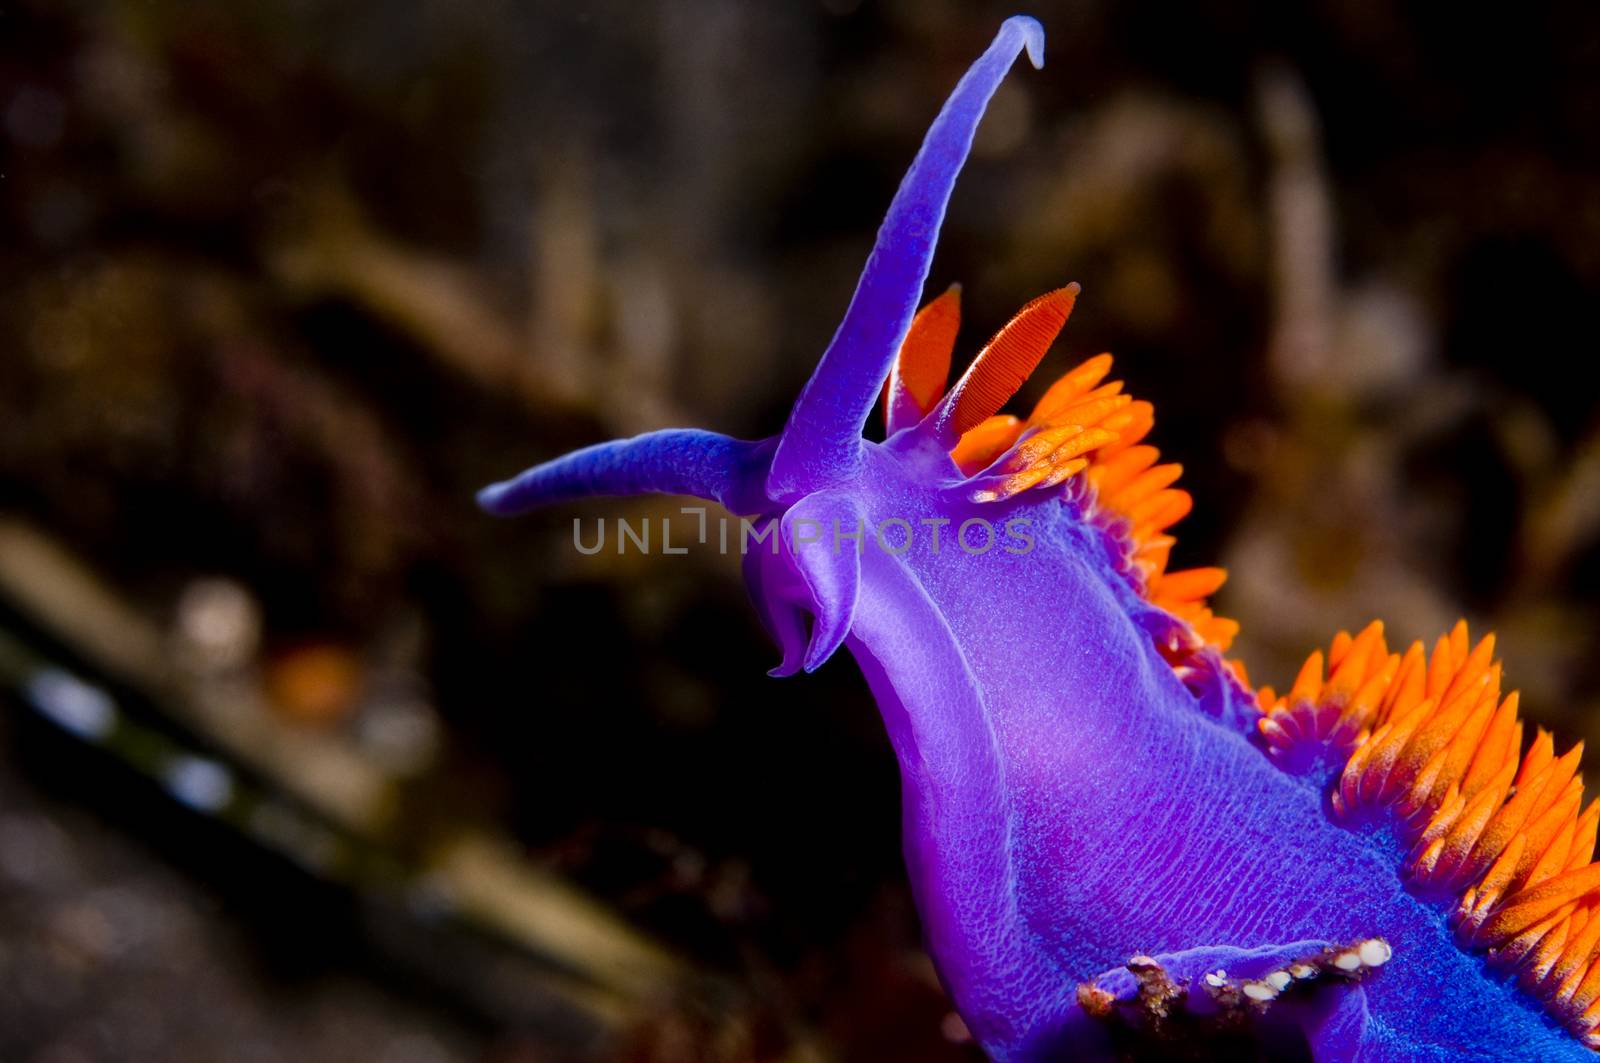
[[301, 757]]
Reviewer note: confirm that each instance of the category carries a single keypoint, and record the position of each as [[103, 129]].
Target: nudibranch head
[[952, 443], [1086, 775]]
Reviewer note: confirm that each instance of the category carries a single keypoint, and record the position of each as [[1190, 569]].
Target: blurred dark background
[[302, 758]]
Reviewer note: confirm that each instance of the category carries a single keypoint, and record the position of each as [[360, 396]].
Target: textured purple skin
[[1068, 801]]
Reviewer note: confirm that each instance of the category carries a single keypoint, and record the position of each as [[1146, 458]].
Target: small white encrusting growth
[[1375, 952], [1260, 992], [1157, 998], [1363, 956], [1158, 993]]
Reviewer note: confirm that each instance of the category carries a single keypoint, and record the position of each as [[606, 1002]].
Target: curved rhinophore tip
[[1032, 37]]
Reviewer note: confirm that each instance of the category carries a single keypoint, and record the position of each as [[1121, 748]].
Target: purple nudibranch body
[[1109, 834]]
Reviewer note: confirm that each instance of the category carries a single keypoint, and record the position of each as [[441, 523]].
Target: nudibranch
[[1110, 835]]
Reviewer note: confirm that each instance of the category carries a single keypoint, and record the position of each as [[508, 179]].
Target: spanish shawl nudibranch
[[1110, 836]]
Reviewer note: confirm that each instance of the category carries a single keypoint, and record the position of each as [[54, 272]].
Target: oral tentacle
[[675, 461], [823, 534], [780, 598]]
